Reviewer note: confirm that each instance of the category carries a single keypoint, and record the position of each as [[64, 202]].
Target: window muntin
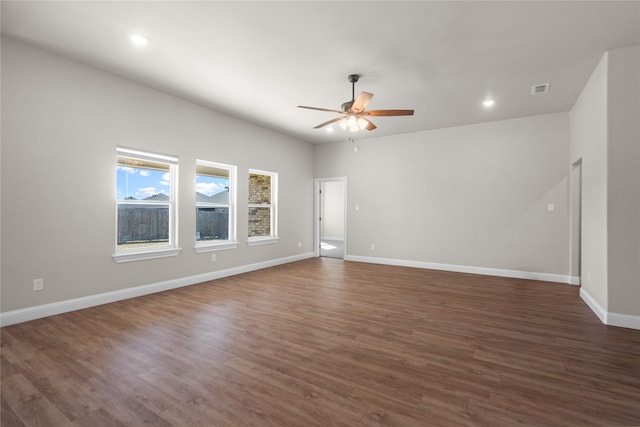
[[262, 205], [145, 200], [215, 204]]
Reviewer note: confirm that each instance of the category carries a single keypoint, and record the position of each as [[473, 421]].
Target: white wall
[[468, 196], [61, 124], [589, 143]]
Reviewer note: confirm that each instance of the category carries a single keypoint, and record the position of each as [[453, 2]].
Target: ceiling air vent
[[538, 89]]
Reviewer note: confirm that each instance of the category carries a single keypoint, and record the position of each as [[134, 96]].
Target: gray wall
[[605, 135], [61, 124], [589, 144], [623, 158], [472, 195]]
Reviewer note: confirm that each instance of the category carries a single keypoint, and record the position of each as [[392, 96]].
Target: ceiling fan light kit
[[353, 114]]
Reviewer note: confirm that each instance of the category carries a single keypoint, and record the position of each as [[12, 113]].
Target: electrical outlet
[[213, 257], [38, 284], [299, 244], [373, 246]]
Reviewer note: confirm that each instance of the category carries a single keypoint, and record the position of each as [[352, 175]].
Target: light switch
[[551, 207]]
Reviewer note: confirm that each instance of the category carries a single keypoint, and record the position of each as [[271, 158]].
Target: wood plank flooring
[[323, 342]]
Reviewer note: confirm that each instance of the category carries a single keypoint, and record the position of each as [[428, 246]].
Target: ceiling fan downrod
[[353, 79]]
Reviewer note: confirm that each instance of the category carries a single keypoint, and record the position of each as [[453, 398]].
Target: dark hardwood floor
[[325, 342]]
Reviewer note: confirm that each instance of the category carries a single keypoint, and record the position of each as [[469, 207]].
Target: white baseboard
[[611, 319], [594, 306], [45, 310], [623, 320], [575, 280], [516, 274]]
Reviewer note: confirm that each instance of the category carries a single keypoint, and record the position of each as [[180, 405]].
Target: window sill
[[215, 247], [257, 241], [140, 256]]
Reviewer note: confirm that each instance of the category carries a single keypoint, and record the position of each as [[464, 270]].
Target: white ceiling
[[259, 60]]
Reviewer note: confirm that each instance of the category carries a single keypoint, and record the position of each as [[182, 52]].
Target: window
[[262, 207], [215, 206], [145, 200]]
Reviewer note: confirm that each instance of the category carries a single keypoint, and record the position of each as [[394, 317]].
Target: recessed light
[[488, 102], [330, 129], [138, 40]]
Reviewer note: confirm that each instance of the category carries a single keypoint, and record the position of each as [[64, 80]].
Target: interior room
[[325, 213]]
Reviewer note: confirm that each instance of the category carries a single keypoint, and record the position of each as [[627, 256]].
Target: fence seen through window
[[214, 202], [144, 201]]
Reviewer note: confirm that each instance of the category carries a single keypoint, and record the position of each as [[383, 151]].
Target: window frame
[[150, 252], [231, 242], [273, 236]]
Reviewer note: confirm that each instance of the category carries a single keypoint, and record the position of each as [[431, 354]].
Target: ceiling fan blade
[[320, 109], [388, 113], [361, 102], [337, 119], [370, 125]]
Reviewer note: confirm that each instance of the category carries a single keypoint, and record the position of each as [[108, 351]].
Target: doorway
[[576, 223], [331, 236]]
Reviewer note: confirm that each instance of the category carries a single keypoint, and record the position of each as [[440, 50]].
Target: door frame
[[575, 223], [318, 213]]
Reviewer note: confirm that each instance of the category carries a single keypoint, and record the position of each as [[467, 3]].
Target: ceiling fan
[[354, 115]]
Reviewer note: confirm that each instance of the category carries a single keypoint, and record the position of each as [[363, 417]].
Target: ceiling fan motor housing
[[346, 106]]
